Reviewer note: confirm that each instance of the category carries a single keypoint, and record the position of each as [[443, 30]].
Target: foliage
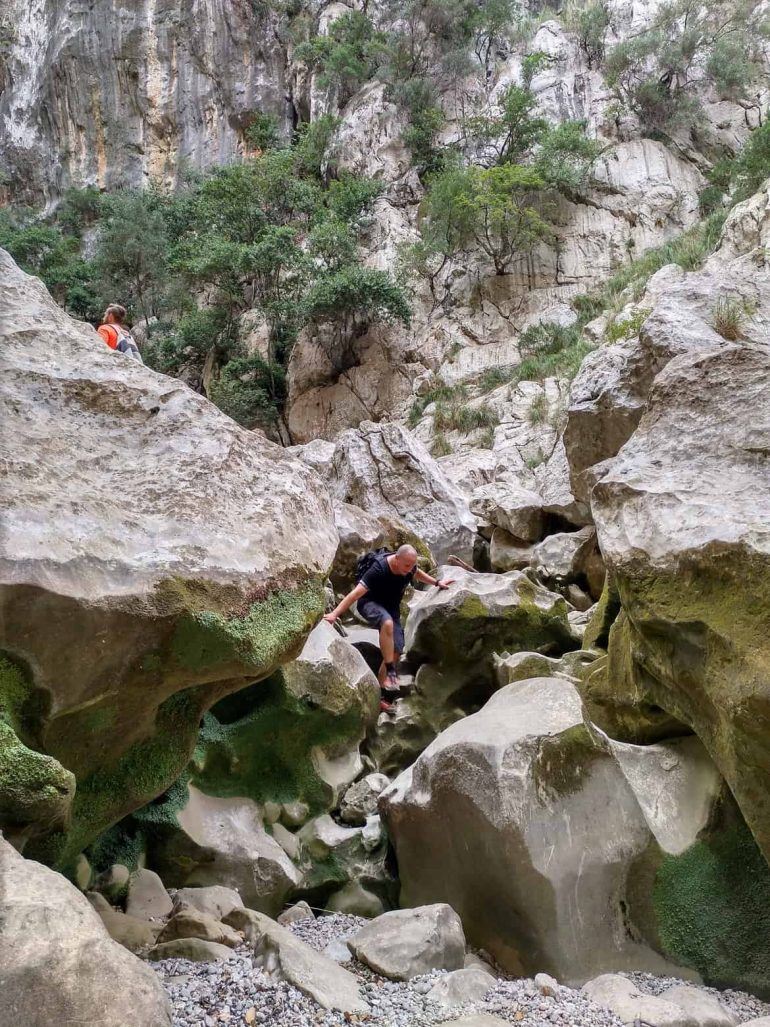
[[498, 209], [347, 56], [438, 392], [745, 174], [45, 251], [656, 72], [250, 390], [440, 446], [626, 328], [538, 410], [532, 64], [728, 316], [262, 133], [590, 25], [512, 130], [549, 350], [464, 418]]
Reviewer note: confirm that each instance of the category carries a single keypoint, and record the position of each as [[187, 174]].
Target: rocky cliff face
[[123, 94]]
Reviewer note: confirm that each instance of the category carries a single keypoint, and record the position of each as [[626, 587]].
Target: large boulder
[[482, 614], [58, 964], [214, 840], [625, 845], [682, 520], [285, 957], [408, 942], [182, 560], [385, 470], [678, 314]]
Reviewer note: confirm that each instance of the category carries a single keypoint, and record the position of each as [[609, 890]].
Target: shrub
[[438, 392], [628, 327], [728, 317], [590, 26], [538, 410], [463, 417], [262, 132], [532, 64], [440, 446], [250, 390], [347, 56]]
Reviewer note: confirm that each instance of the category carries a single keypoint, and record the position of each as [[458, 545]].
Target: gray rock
[[407, 942], [197, 950], [385, 470], [147, 898], [626, 1001], [213, 900], [546, 984], [360, 800], [129, 931], [299, 911], [705, 1009], [461, 986], [506, 780], [355, 900], [191, 923], [204, 490], [59, 964], [285, 957]]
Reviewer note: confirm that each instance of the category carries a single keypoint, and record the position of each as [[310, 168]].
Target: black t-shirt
[[385, 587]]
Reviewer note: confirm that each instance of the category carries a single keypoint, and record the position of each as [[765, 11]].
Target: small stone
[[546, 984]]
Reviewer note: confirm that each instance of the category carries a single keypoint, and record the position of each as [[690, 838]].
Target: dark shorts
[[375, 615]]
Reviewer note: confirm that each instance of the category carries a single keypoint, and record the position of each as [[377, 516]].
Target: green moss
[[597, 631], [266, 752], [563, 762], [34, 788], [713, 910], [257, 641]]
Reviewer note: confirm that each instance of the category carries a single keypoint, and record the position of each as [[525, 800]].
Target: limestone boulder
[[332, 855], [132, 933], [386, 471], [591, 838], [682, 521], [629, 1004], [460, 987], [360, 800], [222, 841], [284, 957], [187, 922], [182, 560], [408, 942], [197, 950], [58, 964], [147, 898], [299, 911], [482, 614], [705, 1009], [215, 900]]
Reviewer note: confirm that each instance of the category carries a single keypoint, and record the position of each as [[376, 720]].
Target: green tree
[[499, 209], [132, 251], [346, 56]]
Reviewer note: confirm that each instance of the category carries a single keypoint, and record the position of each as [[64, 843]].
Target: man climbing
[[115, 332], [379, 594]]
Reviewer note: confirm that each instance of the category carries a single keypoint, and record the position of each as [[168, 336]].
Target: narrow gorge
[[482, 278]]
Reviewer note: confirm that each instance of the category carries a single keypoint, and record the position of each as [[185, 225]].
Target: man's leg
[[387, 650]]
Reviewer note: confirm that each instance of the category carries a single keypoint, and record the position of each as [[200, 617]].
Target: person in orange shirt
[[115, 332]]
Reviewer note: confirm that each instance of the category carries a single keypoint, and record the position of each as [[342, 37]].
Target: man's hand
[[331, 618], [445, 583]]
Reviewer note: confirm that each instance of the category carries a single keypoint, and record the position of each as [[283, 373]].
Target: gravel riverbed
[[237, 992]]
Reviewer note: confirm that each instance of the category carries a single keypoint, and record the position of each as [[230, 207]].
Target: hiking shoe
[[387, 707]]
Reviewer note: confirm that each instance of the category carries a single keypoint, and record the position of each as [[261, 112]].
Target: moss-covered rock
[[181, 561], [682, 520]]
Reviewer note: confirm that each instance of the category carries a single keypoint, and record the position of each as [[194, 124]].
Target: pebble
[[236, 992]]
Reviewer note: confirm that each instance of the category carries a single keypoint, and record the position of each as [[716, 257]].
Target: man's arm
[[344, 604], [426, 579]]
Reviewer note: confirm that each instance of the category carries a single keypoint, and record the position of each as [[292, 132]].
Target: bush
[[347, 56], [250, 390], [438, 392], [463, 418], [628, 327], [262, 133], [538, 410], [590, 26], [728, 317]]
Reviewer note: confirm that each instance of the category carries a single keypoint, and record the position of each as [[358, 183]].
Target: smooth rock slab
[[191, 923], [299, 911], [286, 958], [58, 965], [706, 1010], [620, 996], [407, 942]]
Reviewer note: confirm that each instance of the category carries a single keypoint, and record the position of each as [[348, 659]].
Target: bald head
[[404, 560]]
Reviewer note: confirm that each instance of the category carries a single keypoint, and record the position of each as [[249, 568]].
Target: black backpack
[[367, 560]]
